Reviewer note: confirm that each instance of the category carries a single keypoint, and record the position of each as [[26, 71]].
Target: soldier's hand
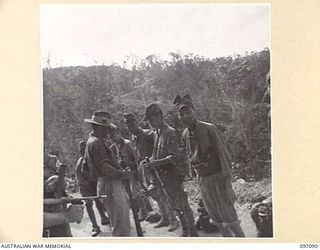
[[74, 213], [141, 166], [127, 174], [152, 164], [144, 163]]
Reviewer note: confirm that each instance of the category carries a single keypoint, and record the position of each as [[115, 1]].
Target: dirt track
[[84, 228]]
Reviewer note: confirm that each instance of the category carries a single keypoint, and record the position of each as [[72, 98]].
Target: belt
[[204, 169]]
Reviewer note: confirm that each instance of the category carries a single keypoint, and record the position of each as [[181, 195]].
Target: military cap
[[129, 117], [101, 118], [184, 101], [152, 109]]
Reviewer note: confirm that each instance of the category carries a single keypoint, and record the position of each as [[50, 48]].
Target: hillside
[[232, 92]]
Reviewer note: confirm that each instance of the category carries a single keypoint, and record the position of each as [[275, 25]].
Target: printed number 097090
[[308, 245]]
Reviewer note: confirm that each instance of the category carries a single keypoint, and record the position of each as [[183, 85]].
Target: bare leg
[[91, 214], [100, 207]]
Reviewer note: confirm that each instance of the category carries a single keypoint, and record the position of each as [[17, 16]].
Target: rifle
[[159, 182], [75, 201], [134, 207], [133, 203], [60, 183]]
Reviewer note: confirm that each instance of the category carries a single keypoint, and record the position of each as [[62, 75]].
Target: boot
[[154, 218], [185, 231], [105, 221], [149, 216], [142, 216], [194, 233], [148, 204], [163, 211], [190, 222], [95, 231], [162, 223], [173, 225]]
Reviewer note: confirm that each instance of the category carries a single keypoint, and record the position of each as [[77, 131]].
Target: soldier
[[124, 152], [211, 161], [103, 167], [51, 164], [74, 213], [143, 140], [261, 214], [56, 221], [89, 188], [164, 160]]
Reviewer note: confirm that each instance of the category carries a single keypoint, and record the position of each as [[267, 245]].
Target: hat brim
[[110, 125], [182, 106]]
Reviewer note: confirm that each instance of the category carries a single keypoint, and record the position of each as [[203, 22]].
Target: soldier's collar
[[122, 141], [97, 136], [140, 131], [194, 126]]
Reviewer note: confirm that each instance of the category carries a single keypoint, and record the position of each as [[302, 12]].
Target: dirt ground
[[84, 228]]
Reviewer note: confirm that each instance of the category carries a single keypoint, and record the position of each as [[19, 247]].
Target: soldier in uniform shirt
[[143, 140], [104, 169], [211, 161], [165, 158]]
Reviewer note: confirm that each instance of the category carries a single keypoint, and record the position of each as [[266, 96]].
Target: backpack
[[84, 169]]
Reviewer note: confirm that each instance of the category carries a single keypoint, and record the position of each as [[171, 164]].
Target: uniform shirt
[[143, 143], [124, 151], [205, 150], [165, 145], [100, 159]]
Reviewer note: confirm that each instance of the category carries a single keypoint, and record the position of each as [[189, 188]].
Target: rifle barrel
[[64, 200], [133, 209]]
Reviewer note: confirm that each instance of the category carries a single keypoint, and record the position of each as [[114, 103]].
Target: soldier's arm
[[108, 170], [72, 214], [164, 161], [184, 142], [103, 159], [131, 150], [223, 153]]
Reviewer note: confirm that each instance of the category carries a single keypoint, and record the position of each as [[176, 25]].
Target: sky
[[83, 35]]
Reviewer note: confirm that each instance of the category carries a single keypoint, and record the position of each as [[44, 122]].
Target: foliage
[[231, 92], [252, 192]]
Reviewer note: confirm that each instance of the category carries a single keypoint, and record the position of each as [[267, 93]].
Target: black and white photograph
[[156, 120]]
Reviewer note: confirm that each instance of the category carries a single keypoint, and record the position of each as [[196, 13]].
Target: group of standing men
[[149, 160]]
